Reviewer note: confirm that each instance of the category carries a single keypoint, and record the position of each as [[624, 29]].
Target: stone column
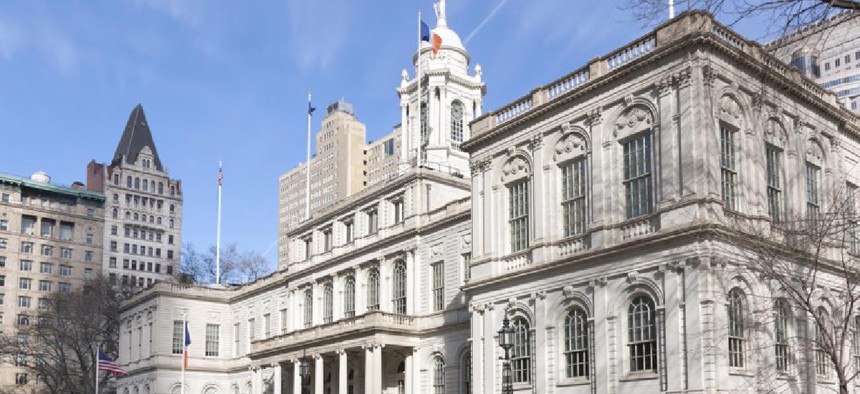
[[297, 377], [408, 372], [540, 333], [411, 273], [377, 366], [369, 373], [477, 349], [342, 372], [318, 374], [257, 380], [277, 378]]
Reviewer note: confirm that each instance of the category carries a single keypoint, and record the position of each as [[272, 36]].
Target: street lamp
[[305, 371], [506, 342]]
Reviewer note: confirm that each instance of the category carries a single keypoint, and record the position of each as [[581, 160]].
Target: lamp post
[[506, 342], [305, 371]]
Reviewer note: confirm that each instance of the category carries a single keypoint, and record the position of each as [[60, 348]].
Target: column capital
[[316, 356], [275, 364], [340, 352]]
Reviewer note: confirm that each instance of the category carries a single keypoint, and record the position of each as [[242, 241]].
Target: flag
[[425, 32], [220, 176], [107, 364], [185, 347], [311, 109], [437, 43]]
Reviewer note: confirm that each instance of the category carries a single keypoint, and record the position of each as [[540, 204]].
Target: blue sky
[[228, 80]]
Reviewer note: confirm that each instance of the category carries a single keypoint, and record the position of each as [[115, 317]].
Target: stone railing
[[368, 321], [638, 227], [569, 246], [680, 28], [516, 261]]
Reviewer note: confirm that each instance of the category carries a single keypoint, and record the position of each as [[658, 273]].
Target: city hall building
[[591, 215]]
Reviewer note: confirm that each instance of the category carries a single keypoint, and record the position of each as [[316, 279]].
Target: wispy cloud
[[319, 30], [188, 12], [42, 36], [485, 21]]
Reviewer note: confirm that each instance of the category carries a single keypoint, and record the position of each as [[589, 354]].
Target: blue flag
[[311, 109], [425, 32]]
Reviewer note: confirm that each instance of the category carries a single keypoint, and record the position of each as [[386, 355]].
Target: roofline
[[69, 191]]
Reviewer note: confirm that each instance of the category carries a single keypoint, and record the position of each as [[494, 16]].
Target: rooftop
[[51, 187]]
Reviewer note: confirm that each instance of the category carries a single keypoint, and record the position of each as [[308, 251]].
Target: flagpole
[[97, 371], [308, 165], [218, 232], [420, 110], [184, 350], [671, 9]]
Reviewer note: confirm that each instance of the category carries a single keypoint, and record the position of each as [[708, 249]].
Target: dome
[[449, 37]]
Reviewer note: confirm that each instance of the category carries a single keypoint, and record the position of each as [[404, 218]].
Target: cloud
[[188, 12], [41, 37], [319, 30], [485, 21]]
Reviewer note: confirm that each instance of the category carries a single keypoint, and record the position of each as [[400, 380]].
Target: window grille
[[642, 334], [637, 176], [574, 186]]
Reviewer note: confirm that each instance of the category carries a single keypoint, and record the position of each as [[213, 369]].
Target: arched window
[[638, 182], [736, 310], [145, 185], [158, 220], [467, 373], [373, 290], [573, 189], [309, 307], [438, 376], [642, 334], [521, 351], [349, 297], [137, 183], [328, 303], [136, 216], [822, 342], [457, 121], [781, 326], [518, 218], [143, 217], [115, 213], [128, 182], [576, 344], [160, 188], [424, 126], [171, 223], [398, 290], [728, 166]]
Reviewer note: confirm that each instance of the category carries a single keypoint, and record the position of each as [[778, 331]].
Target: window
[[2, 280], [88, 273], [728, 168], [773, 157], [576, 344], [642, 335], [66, 231], [44, 285], [23, 320], [28, 225], [856, 342], [812, 204], [328, 303], [21, 379], [736, 310], [424, 126], [438, 285], [65, 270], [178, 337], [47, 228], [327, 240], [439, 376], [466, 258], [398, 289], [573, 190], [88, 256], [66, 253], [26, 247], [781, 327], [467, 373], [236, 340], [284, 315], [43, 303], [518, 217], [65, 288], [852, 235], [4, 197], [457, 122], [521, 351], [252, 329], [372, 222], [2, 262], [398, 210], [46, 268], [637, 176], [4, 225], [349, 231], [213, 335], [25, 265], [24, 283], [3, 243], [822, 363], [24, 302], [373, 290], [309, 247], [309, 308], [349, 297]]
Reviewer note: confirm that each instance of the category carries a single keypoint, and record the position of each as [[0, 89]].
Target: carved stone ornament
[[758, 101], [814, 152], [467, 240], [567, 291], [436, 250], [775, 133], [730, 109], [536, 142], [515, 167], [709, 75], [570, 145], [595, 116], [634, 118], [632, 277]]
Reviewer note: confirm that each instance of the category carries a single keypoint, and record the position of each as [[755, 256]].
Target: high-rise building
[[383, 158], [338, 170], [827, 52], [143, 209], [50, 242]]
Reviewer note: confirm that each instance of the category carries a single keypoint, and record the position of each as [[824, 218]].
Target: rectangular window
[[267, 325], [251, 329], [853, 233], [65, 270], [573, 190], [178, 337], [327, 239], [44, 285], [3, 243], [236, 340], [88, 256], [23, 302], [812, 204], [26, 247], [47, 250], [66, 253], [47, 228], [25, 265], [728, 167], [309, 247], [28, 225], [518, 215], [65, 288], [46, 268], [2, 262], [398, 211], [438, 286], [4, 225], [24, 283], [66, 231], [213, 334], [466, 258], [4, 197], [773, 159], [637, 176], [372, 222], [349, 230], [43, 303], [283, 321]]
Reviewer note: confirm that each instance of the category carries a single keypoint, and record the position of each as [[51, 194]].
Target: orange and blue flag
[[431, 38], [185, 347]]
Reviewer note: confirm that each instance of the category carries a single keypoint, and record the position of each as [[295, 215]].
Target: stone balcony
[[363, 325]]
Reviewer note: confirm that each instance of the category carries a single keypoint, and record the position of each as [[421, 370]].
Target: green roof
[[69, 191]]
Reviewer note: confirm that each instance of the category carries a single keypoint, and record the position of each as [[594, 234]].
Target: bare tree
[[784, 15], [60, 345], [806, 314], [236, 266]]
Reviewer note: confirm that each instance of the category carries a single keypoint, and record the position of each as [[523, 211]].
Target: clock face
[[457, 111]]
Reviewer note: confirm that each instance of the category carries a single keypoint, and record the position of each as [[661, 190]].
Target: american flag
[[107, 364], [220, 176]]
